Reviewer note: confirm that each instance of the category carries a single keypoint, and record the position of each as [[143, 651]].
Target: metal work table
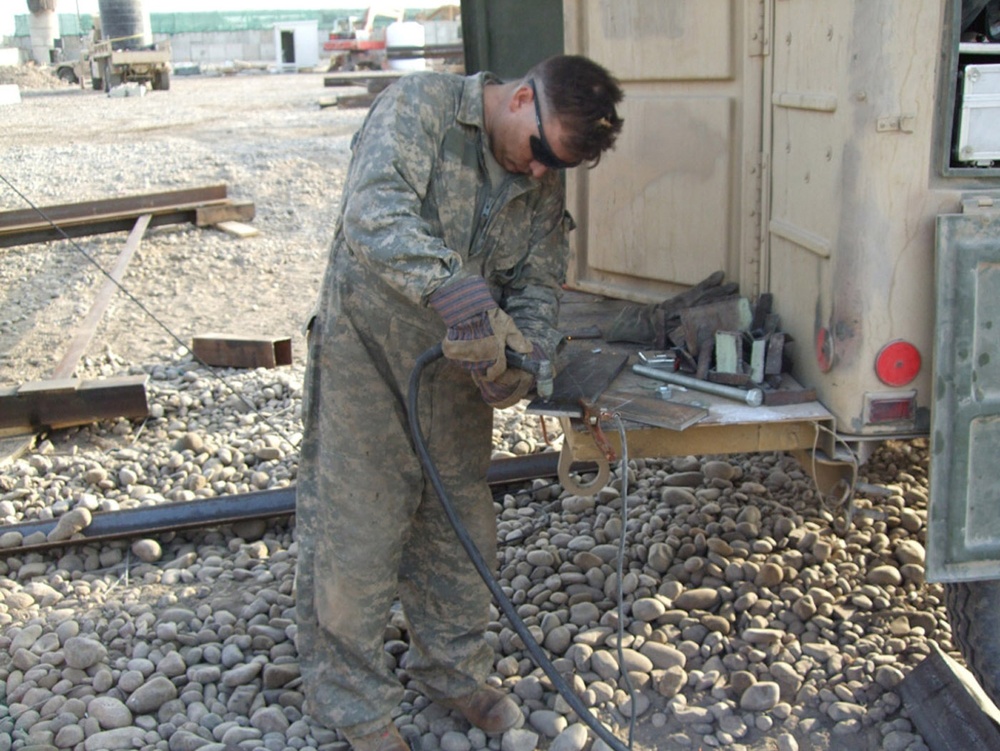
[[656, 427]]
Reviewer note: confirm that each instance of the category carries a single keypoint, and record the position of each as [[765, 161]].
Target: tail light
[[895, 407], [898, 363]]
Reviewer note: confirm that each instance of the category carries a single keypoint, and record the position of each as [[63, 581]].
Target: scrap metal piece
[[583, 379], [65, 402], [45, 223], [949, 708], [729, 352], [657, 412]]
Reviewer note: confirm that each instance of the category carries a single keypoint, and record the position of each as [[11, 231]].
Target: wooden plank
[[234, 211], [13, 447], [85, 333], [237, 229], [236, 351], [37, 408]]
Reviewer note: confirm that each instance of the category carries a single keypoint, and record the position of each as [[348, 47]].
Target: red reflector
[[824, 350], [898, 363], [891, 410]]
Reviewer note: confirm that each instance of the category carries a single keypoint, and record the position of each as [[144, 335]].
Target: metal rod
[[753, 397]]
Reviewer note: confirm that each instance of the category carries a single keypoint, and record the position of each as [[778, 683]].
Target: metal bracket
[[584, 489], [896, 123]]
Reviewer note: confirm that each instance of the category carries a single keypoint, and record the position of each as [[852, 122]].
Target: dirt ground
[[265, 138]]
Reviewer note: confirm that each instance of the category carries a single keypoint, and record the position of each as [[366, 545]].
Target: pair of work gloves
[[478, 334]]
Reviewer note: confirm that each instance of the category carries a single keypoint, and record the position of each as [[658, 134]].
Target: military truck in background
[[111, 66], [842, 156], [121, 50], [107, 65]]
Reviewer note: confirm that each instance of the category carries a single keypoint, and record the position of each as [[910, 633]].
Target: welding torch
[[541, 369]]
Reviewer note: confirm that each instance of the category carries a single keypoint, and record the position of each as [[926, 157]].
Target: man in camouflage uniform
[[452, 226]]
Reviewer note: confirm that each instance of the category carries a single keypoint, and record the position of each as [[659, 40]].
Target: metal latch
[[980, 204], [897, 123]]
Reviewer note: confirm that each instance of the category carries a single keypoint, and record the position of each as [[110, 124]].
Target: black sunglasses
[[540, 148]]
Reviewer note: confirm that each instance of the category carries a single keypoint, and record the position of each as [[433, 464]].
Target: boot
[[489, 709], [386, 739]]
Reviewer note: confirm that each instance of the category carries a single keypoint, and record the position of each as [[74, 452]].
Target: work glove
[[478, 332], [509, 387]]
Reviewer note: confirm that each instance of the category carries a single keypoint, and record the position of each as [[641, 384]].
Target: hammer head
[[542, 370], [544, 379]]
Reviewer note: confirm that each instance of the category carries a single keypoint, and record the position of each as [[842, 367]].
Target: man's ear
[[522, 97]]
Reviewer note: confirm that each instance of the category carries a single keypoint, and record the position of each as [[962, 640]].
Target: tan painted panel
[[666, 191], [811, 43], [678, 198], [851, 206], [807, 178], [662, 39]]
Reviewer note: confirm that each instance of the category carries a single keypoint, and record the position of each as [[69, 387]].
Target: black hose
[[539, 657]]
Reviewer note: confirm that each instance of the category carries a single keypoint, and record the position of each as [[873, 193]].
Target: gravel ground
[[753, 618]]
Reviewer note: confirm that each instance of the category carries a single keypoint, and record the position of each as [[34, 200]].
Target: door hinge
[[758, 39], [752, 277]]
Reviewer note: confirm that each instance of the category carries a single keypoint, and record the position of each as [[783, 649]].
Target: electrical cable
[[621, 579], [214, 371], [483, 569]]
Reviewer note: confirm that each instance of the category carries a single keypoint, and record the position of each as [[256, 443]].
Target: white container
[[405, 34], [979, 134]]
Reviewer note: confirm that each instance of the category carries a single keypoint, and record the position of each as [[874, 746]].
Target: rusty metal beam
[[64, 402], [23, 226]]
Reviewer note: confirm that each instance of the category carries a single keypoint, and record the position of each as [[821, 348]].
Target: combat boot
[[489, 709], [386, 739]]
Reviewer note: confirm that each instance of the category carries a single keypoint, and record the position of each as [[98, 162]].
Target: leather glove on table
[[478, 333]]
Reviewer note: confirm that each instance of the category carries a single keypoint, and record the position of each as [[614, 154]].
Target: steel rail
[[147, 521], [22, 226]]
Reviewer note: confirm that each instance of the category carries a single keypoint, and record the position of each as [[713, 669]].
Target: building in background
[[218, 34]]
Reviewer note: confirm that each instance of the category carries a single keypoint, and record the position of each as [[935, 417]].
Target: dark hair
[[583, 95]]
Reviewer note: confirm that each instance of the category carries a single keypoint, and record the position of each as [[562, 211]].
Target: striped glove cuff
[[462, 300]]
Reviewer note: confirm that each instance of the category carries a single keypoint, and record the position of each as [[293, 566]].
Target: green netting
[[181, 23]]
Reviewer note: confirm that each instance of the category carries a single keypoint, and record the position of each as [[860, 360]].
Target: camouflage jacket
[[418, 211]]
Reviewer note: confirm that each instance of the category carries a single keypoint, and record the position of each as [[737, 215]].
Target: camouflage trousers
[[370, 527]]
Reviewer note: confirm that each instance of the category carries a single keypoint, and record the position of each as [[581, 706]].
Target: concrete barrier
[[10, 93]]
